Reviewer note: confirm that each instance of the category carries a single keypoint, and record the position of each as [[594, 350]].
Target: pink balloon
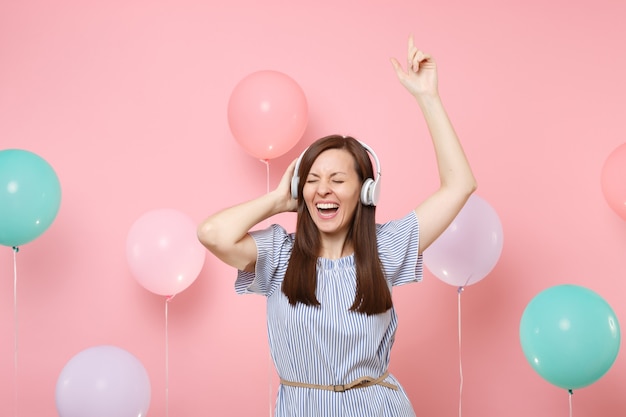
[[469, 248], [103, 381], [163, 251], [267, 113], [614, 180]]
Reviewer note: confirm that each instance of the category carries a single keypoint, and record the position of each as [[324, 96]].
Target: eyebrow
[[332, 175]]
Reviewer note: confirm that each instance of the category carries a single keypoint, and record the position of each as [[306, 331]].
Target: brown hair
[[372, 292]]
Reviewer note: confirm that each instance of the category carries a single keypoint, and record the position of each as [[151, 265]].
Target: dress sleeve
[[274, 246], [398, 243]]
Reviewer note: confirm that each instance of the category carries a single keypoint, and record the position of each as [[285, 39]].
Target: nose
[[323, 188]]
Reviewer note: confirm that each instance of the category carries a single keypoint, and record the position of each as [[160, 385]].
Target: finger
[[398, 68], [413, 62], [396, 64], [292, 166], [421, 56]]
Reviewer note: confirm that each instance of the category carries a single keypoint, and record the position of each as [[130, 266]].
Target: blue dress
[[329, 344]]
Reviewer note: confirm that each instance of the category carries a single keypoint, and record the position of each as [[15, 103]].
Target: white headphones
[[370, 191]]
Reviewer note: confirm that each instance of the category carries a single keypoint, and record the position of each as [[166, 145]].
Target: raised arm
[[456, 179], [225, 233]]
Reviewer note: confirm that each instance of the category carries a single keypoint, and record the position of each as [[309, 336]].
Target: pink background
[[127, 101]]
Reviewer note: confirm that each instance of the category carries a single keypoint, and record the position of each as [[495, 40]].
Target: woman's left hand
[[420, 77]]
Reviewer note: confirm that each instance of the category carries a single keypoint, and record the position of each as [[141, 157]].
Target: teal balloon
[[570, 336], [30, 196]]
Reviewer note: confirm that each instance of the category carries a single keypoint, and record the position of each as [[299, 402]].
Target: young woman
[[331, 321]]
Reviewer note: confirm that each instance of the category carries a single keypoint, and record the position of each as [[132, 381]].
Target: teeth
[[327, 206]]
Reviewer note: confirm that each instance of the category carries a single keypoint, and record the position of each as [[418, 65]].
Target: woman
[[331, 321]]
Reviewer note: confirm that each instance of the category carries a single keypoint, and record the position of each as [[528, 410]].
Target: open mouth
[[327, 209]]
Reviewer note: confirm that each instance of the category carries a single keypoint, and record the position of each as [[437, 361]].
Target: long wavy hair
[[372, 292]]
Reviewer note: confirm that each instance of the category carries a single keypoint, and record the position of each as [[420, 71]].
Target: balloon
[[267, 113], [569, 335], [163, 251], [103, 381], [613, 180], [469, 248], [30, 196]]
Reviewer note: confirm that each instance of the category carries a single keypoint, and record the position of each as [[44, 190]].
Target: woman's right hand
[[225, 233], [283, 190]]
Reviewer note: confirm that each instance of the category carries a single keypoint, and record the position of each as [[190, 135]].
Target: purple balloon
[[469, 248], [103, 381]]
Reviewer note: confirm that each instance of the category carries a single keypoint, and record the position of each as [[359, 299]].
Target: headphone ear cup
[[375, 192], [366, 192], [294, 186]]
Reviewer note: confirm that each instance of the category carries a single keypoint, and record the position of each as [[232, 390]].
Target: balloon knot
[[570, 392], [460, 290], [169, 297], [16, 249]]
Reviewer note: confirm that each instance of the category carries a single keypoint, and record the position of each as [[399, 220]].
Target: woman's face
[[332, 191]]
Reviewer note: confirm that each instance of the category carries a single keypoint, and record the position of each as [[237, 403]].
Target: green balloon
[[570, 336], [30, 196]]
